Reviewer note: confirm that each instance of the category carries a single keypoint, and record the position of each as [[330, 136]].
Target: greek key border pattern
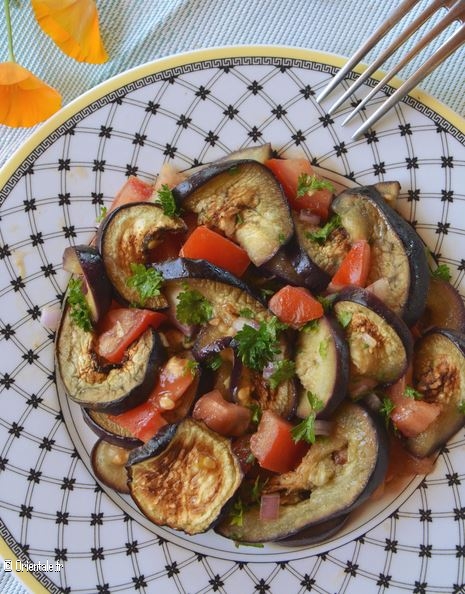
[[175, 72]]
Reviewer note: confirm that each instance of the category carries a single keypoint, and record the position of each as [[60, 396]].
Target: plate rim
[[161, 64]]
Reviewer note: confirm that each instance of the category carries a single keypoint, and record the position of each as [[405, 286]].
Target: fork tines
[[456, 12]]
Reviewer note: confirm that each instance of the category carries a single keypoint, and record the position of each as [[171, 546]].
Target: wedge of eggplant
[[260, 153], [244, 200], [337, 475], [86, 262], [439, 375], [380, 343], [322, 366], [397, 252], [109, 465], [111, 388], [184, 477], [444, 308], [126, 237]]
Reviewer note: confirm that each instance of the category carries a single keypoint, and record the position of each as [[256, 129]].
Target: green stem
[[11, 53]]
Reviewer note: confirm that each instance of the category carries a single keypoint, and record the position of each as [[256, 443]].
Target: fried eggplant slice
[[380, 343], [110, 388], [444, 307], [397, 252], [125, 238], [439, 375], [242, 199], [322, 366], [109, 465], [184, 477], [338, 473]]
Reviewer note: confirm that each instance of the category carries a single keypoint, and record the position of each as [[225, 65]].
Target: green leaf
[[344, 318], [307, 184], [305, 431], [387, 406], [442, 272], [258, 346], [102, 215], [79, 308], [321, 235], [284, 370], [193, 308], [236, 515], [165, 199], [215, 362], [410, 392], [146, 281]]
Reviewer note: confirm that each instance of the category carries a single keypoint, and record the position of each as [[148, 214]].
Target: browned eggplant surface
[[240, 404]]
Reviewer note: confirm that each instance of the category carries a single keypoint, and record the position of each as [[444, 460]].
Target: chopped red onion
[[50, 317], [379, 288], [323, 427], [307, 216], [269, 506], [269, 369]]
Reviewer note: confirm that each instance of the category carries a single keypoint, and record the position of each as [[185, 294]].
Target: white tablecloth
[[138, 31]]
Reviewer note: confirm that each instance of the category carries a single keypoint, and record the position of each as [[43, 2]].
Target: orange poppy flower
[[74, 27], [25, 100]]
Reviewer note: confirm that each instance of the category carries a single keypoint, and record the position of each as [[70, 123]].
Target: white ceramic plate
[[190, 109]]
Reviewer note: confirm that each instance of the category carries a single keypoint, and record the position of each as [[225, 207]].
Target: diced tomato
[[355, 267], [144, 420], [226, 418], [208, 245], [121, 327], [411, 417], [288, 172], [295, 306], [273, 445], [133, 190]]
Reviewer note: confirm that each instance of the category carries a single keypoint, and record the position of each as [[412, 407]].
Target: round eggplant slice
[[444, 308], [260, 153], [338, 474], [244, 200], [125, 237], [397, 252], [111, 389], [109, 465], [322, 366], [85, 261], [184, 477], [380, 343], [439, 374]]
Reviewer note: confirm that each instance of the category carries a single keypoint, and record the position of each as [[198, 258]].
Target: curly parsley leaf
[[79, 308], [193, 308], [386, 408], [321, 235], [442, 272], [305, 430], [166, 200], [410, 392], [284, 370], [258, 346], [146, 281], [307, 184]]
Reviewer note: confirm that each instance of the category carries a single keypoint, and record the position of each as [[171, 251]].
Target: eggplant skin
[[380, 343], [184, 477], [244, 200], [439, 374], [397, 251], [112, 390], [109, 431], [364, 437]]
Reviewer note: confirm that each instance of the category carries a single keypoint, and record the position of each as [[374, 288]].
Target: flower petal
[[74, 27], [25, 100]]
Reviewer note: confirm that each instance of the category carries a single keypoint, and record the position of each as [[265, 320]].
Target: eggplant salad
[[256, 352]]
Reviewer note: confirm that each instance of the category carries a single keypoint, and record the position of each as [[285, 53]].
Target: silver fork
[[456, 12]]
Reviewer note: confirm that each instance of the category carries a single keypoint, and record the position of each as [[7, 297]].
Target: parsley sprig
[[258, 346], [306, 184], [284, 370], [193, 308], [166, 200], [321, 235], [442, 272], [305, 430], [80, 311], [146, 281]]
